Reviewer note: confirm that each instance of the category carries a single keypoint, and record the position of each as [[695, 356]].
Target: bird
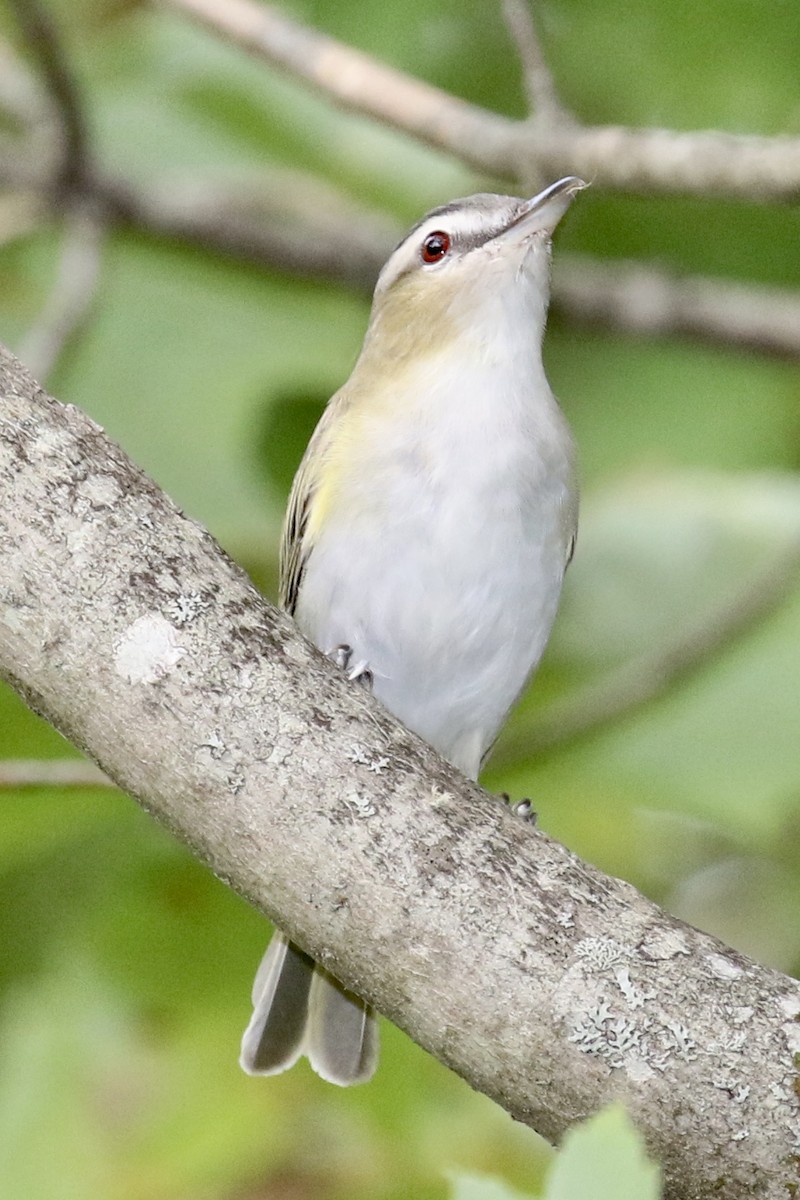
[[426, 537]]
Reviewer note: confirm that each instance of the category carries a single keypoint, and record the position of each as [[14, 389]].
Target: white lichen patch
[[723, 968], [376, 763], [279, 755], [99, 491], [362, 805], [640, 1046], [81, 545], [245, 676], [676, 1038], [636, 997], [600, 953], [52, 442], [215, 745], [600, 1031], [638, 1069], [565, 917], [663, 944], [790, 1006], [792, 1031], [186, 608], [235, 782], [148, 650]]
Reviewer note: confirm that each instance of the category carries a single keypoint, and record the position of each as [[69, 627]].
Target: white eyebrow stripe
[[467, 221], [470, 223]]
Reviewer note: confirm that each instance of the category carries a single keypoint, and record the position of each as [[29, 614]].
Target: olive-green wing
[[295, 544]]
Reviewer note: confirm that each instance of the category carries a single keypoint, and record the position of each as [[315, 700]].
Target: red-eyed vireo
[[427, 535]]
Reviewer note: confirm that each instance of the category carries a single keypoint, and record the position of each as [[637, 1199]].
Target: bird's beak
[[542, 213]]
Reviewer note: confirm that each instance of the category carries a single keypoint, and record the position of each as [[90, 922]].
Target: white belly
[[442, 566]]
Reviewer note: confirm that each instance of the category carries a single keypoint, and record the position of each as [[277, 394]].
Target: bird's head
[[465, 264]]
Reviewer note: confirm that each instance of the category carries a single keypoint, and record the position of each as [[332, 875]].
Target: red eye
[[435, 246]]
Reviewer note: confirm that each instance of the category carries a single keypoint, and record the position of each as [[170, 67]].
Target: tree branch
[[360, 83], [69, 303], [251, 221], [51, 772], [546, 107], [633, 298], [336, 239], [44, 42], [350, 246], [658, 161], [21, 97], [263, 221], [123, 623]]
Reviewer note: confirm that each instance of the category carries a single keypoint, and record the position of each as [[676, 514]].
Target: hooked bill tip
[[567, 186], [544, 210]]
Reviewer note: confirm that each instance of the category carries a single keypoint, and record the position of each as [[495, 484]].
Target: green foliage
[[125, 968], [603, 1157]]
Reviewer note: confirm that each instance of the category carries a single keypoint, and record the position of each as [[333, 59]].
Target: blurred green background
[[125, 967]]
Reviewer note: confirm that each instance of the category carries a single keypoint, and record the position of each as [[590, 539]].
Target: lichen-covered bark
[[545, 984]]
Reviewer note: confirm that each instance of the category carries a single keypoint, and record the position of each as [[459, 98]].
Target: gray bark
[[546, 985]]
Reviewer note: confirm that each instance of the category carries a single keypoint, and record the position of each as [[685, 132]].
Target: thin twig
[[54, 772], [660, 161], [44, 42], [540, 85], [650, 676], [69, 303]]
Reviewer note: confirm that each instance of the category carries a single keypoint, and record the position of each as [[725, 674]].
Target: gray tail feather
[[273, 1040], [342, 1033], [298, 1008]]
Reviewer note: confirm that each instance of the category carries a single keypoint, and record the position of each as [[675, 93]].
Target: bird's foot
[[357, 672], [520, 808]]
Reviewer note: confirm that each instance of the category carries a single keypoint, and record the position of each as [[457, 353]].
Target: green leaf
[[603, 1158]]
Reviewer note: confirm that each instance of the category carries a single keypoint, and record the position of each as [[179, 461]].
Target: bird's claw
[[520, 808], [358, 672]]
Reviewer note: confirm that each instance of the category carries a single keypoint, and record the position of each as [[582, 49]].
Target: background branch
[[657, 161], [69, 303], [268, 221], [55, 772], [361, 83], [250, 222], [646, 678], [44, 42], [540, 85], [633, 298]]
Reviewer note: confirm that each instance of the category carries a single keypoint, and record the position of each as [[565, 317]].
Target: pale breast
[[441, 564]]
